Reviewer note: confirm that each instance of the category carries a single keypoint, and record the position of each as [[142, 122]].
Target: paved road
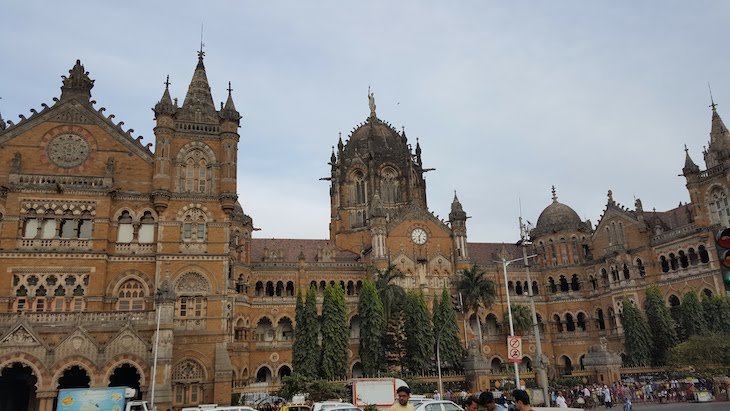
[[682, 406]]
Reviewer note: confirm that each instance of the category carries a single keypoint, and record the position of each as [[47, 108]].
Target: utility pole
[[539, 366]]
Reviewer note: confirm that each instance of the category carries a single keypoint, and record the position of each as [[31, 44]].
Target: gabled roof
[[75, 107]]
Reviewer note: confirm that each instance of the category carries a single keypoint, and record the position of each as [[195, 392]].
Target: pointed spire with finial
[[340, 145], [418, 152], [689, 166], [457, 211], [165, 105], [555, 196], [229, 111], [198, 97], [77, 85]]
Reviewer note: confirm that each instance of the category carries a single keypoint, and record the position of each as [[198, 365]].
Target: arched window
[[279, 288], [187, 380], [269, 288], [259, 289], [564, 286], [552, 286], [627, 274], [558, 323], [704, 256], [289, 289], [664, 263], [640, 266], [604, 277], [574, 283], [673, 262], [674, 301], [194, 226], [196, 173], [600, 322], [389, 189], [192, 289], [355, 327], [284, 329], [30, 225], [131, 296], [707, 292], [719, 207], [569, 322], [581, 322], [239, 332], [692, 256], [594, 283], [147, 228], [518, 288], [264, 330], [510, 287], [535, 288], [359, 188], [125, 229], [48, 225]]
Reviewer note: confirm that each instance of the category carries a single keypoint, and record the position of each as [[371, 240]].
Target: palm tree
[[521, 319], [476, 291], [391, 294]]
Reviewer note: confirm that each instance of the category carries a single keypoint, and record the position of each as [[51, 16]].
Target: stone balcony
[[100, 318], [134, 248], [55, 244]]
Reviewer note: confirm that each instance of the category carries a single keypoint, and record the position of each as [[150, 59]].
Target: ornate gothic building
[[110, 249]]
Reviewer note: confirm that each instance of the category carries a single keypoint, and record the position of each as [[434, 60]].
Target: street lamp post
[[158, 299], [540, 367], [438, 362], [505, 262]]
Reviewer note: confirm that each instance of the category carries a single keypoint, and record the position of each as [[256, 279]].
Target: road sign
[[514, 349]]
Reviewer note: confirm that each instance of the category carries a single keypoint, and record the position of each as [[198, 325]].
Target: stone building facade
[[115, 254]]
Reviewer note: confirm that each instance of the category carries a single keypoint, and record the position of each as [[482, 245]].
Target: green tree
[[521, 319], [705, 351], [661, 325], [390, 293], [637, 337], [419, 333], [335, 333], [476, 291], [307, 334], [717, 313], [692, 316], [446, 331], [372, 329], [298, 349]]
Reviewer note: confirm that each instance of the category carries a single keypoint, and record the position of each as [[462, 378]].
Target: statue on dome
[[371, 102]]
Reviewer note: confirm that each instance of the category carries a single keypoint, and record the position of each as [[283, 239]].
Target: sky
[[506, 98]]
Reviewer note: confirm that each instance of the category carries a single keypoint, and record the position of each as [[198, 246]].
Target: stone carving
[[371, 102], [192, 282], [21, 336], [189, 371], [68, 150], [110, 166], [72, 116]]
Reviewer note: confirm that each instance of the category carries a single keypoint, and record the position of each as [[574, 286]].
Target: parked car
[[438, 405], [327, 405], [295, 407], [343, 408]]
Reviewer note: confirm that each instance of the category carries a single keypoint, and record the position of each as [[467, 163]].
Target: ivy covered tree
[[637, 337], [372, 329], [717, 313], [392, 296], [661, 325], [446, 331], [305, 355], [335, 333], [419, 333], [692, 316], [298, 350]]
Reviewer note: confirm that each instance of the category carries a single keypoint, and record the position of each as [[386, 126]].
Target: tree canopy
[[637, 337], [372, 329], [335, 333], [446, 330], [661, 325]]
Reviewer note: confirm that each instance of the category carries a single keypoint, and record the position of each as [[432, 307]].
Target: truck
[[96, 399], [379, 392]]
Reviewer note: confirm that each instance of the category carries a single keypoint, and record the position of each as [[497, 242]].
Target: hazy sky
[[506, 99]]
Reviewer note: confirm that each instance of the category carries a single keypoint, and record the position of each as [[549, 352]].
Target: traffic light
[[722, 243], [457, 303]]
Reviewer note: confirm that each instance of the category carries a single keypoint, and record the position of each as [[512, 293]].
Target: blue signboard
[[91, 399]]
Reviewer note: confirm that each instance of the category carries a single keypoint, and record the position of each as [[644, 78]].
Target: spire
[[77, 85], [418, 152], [457, 211], [555, 196], [165, 106], [198, 97], [229, 111], [689, 166], [718, 129], [340, 145]]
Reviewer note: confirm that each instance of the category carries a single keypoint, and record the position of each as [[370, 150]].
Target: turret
[[77, 85], [718, 149], [457, 219], [690, 170], [164, 131]]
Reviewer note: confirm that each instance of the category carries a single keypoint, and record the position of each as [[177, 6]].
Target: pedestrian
[[471, 404], [436, 395], [607, 397], [560, 400], [486, 400], [522, 400], [403, 394]]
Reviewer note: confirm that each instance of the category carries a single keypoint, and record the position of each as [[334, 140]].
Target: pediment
[[127, 341], [21, 335], [79, 342], [74, 112]]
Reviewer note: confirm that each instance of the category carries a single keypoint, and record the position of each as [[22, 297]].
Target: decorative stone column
[[165, 312], [45, 400], [476, 368]]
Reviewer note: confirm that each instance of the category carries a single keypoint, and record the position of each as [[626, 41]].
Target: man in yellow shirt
[[403, 394]]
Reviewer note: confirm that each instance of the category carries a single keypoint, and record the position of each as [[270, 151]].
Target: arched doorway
[[74, 377], [357, 370], [284, 371], [263, 375], [18, 388], [126, 375]]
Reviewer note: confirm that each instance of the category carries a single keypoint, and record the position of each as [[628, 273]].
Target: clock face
[[419, 236], [68, 150]]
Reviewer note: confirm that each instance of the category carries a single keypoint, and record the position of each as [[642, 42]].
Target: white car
[[328, 405], [343, 407], [437, 405]]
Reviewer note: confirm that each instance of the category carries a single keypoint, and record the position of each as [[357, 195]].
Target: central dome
[[556, 217], [377, 136]]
